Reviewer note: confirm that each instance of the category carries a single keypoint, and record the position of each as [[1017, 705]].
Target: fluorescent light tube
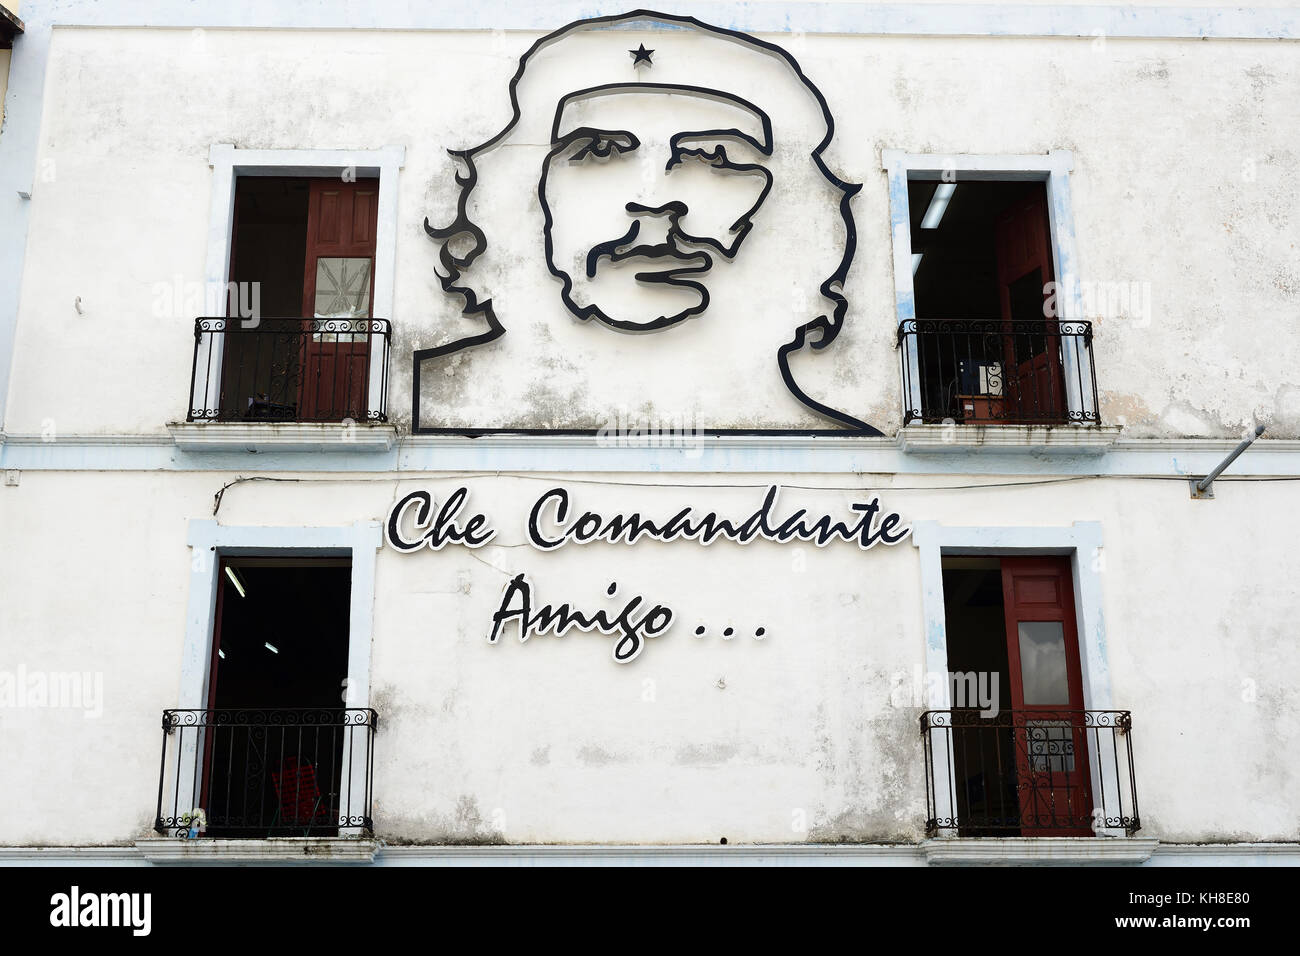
[[234, 579], [938, 205]]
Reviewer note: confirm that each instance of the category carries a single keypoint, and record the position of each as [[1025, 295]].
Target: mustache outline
[[619, 250]]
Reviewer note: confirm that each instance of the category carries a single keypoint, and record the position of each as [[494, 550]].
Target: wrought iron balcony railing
[[290, 370], [998, 372], [262, 773], [1030, 773]]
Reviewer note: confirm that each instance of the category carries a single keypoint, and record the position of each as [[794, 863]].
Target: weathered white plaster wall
[[1185, 172], [551, 741]]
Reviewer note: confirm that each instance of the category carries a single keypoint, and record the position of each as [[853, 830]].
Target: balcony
[[290, 371], [267, 773], [1029, 773], [998, 372]]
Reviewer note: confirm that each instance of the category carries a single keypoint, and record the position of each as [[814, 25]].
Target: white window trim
[[1082, 542], [1052, 168], [227, 163], [210, 543]]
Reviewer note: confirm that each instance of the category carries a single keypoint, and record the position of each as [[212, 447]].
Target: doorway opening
[[275, 750], [297, 343], [1021, 767], [988, 331]]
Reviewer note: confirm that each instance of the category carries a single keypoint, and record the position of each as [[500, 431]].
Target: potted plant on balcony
[[195, 822]]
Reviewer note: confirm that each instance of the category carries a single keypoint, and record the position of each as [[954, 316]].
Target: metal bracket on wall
[[1203, 488]]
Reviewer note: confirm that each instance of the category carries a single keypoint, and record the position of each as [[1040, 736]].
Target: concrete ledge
[[1013, 851], [273, 850], [748, 455], [1040, 851], [70, 856], [1226, 854], [1034, 439], [745, 854], [280, 437]]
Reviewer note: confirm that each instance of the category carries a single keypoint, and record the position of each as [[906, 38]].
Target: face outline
[[641, 232], [482, 294]]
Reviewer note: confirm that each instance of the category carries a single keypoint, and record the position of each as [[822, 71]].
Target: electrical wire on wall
[[1031, 482]]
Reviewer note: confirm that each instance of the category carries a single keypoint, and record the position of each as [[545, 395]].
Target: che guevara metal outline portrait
[[467, 236]]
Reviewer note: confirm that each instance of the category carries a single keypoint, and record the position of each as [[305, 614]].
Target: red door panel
[[1048, 726], [342, 219], [1033, 380]]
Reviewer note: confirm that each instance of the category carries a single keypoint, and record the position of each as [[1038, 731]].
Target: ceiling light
[[916, 261], [234, 579], [938, 204], [221, 654], [271, 647]]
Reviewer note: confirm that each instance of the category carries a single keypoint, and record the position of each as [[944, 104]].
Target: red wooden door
[[1032, 377], [338, 283], [1048, 725]]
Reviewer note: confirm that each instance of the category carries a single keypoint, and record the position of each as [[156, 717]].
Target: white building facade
[[730, 433]]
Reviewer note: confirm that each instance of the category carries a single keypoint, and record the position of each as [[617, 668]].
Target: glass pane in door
[[1043, 663], [342, 292]]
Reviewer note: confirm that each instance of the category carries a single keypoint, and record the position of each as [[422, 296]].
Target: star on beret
[[641, 55]]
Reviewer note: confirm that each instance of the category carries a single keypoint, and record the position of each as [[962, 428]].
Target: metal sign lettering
[[416, 522]]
